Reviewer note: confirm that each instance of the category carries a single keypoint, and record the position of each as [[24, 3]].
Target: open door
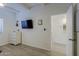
[[62, 33], [70, 32]]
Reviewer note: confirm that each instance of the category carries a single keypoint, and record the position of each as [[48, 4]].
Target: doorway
[[62, 33]]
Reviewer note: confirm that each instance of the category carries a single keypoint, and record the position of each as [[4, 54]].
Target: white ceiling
[[60, 5], [30, 5]]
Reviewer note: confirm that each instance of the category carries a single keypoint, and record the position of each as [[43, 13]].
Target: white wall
[[9, 19], [10, 13], [37, 37]]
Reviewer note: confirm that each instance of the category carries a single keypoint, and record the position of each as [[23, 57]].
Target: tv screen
[[27, 24]]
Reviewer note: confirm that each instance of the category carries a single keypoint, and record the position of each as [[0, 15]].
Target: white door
[[62, 33], [70, 32]]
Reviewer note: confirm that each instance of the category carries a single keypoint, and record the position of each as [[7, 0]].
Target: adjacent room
[[36, 29]]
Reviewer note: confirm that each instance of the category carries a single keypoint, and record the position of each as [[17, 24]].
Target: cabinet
[[15, 37]]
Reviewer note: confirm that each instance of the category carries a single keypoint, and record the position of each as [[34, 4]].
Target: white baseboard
[[37, 47], [3, 43]]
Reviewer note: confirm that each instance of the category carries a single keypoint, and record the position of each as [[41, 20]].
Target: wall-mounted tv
[[27, 24]]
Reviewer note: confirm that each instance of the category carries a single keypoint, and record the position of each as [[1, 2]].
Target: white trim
[[36, 47], [4, 43]]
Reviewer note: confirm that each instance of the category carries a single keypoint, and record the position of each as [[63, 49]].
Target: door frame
[[74, 32], [75, 29]]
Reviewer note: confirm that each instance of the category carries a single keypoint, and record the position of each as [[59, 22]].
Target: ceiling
[[31, 5], [60, 5]]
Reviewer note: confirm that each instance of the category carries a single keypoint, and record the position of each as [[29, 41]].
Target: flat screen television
[[27, 24]]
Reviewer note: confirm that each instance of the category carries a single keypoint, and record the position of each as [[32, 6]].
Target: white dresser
[[15, 37]]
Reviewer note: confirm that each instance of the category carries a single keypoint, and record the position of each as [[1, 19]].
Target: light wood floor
[[22, 50]]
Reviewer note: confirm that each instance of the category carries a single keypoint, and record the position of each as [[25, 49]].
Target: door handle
[[71, 39]]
